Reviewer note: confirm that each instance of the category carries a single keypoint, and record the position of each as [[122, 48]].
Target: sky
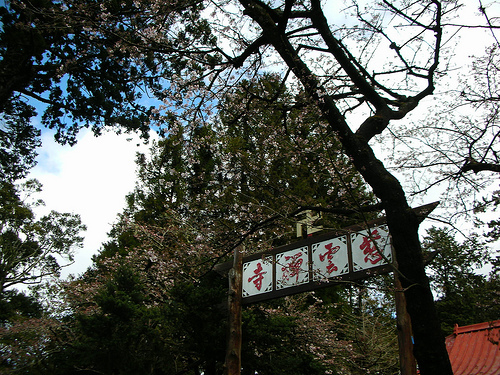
[[91, 179]]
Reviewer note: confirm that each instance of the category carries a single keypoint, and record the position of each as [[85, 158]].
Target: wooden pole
[[407, 362], [233, 354]]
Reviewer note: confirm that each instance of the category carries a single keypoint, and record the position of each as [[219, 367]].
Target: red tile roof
[[475, 349]]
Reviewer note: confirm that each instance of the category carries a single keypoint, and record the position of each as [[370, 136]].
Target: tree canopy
[[244, 178]]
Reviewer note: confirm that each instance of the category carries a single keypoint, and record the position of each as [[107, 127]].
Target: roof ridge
[[476, 327]]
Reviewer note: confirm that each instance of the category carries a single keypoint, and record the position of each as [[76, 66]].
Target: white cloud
[[90, 179]]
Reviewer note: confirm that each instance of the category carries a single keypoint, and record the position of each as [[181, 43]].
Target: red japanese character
[[370, 250], [292, 269], [329, 255], [258, 277]]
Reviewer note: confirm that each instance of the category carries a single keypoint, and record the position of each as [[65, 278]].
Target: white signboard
[[319, 261], [371, 248], [307, 266], [330, 258], [258, 276], [292, 268]]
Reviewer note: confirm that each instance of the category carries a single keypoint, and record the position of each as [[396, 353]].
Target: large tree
[[361, 74]]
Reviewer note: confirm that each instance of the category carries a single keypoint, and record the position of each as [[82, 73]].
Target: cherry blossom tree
[[197, 198], [454, 149]]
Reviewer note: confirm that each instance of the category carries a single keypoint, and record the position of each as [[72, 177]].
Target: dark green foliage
[[464, 296], [271, 345], [130, 333], [16, 305], [124, 336], [121, 337], [88, 76], [198, 313]]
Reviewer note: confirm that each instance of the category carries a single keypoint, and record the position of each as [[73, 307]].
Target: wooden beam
[[407, 362]]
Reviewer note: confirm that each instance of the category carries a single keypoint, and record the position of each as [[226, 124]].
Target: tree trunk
[[429, 349]]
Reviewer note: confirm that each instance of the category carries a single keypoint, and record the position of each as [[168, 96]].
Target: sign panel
[[351, 254], [292, 268], [371, 248], [257, 276], [320, 262], [330, 258]]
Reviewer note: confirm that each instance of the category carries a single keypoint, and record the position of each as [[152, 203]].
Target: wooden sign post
[[407, 361], [233, 354]]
